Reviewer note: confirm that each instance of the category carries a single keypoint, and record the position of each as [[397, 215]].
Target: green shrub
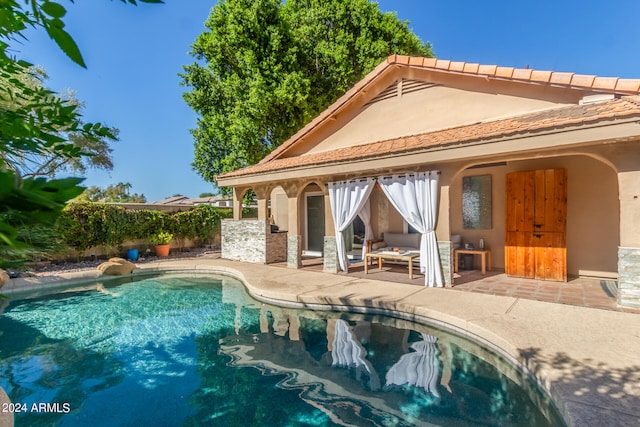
[[161, 238], [85, 225]]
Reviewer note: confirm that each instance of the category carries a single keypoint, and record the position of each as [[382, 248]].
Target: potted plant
[[161, 242]]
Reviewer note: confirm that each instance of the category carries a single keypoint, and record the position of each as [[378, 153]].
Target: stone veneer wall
[[445, 248], [294, 251], [330, 255], [244, 240], [251, 241], [629, 277]]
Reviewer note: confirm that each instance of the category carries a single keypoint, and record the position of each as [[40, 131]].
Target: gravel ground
[[52, 268]]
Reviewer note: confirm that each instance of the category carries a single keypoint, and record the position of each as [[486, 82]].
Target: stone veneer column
[[629, 277], [629, 249], [445, 249], [330, 255], [294, 251]]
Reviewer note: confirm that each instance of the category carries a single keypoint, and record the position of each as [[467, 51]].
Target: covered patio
[[582, 292]]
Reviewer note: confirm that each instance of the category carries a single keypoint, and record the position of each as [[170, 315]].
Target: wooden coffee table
[[408, 256]]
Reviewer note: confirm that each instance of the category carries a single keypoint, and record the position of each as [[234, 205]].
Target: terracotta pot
[[162, 250]]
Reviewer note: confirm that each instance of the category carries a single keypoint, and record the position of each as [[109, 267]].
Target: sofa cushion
[[405, 241], [378, 245]]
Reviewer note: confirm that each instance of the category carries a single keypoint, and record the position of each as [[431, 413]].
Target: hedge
[[86, 225]]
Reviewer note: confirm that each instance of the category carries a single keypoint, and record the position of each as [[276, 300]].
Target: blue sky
[[134, 55]]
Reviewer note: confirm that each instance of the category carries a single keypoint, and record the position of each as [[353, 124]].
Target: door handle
[[537, 235], [537, 225]]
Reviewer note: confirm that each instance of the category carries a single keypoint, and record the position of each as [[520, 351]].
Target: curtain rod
[[410, 174], [379, 176], [353, 180]]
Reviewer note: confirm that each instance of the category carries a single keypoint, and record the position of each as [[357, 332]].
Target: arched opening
[[249, 204], [278, 209]]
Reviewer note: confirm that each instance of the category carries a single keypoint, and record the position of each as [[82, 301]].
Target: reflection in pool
[[198, 351]]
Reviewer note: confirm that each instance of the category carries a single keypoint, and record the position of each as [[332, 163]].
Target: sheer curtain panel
[[347, 199], [415, 197]]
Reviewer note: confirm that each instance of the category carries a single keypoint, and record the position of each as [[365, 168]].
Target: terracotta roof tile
[[416, 60], [582, 80], [522, 73], [575, 115], [429, 62], [488, 70], [606, 83], [561, 78], [504, 72], [443, 64], [540, 76], [457, 66], [628, 85], [471, 68], [402, 59]]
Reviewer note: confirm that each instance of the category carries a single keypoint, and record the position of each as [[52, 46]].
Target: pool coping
[[588, 360]]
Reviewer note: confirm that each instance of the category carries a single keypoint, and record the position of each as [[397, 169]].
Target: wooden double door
[[536, 222]]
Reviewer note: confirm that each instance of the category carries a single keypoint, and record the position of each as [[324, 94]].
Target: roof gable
[[551, 87], [415, 107]]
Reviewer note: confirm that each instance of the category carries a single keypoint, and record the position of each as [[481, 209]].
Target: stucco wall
[[629, 182], [593, 214], [426, 110]]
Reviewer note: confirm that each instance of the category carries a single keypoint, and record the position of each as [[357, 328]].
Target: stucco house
[[543, 166]]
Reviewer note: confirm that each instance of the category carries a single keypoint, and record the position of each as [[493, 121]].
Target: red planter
[[162, 250]]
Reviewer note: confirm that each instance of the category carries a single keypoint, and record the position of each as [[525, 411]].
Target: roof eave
[[577, 135]]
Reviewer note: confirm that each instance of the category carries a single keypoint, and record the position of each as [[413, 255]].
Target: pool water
[[197, 351]]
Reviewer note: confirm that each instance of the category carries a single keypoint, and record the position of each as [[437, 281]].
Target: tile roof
[[575, 115], [523, 75], [580, 81]]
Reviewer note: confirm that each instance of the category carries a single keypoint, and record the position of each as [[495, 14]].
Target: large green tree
[[266, 67]]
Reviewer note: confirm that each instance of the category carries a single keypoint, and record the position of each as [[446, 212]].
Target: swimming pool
[[180, 350]]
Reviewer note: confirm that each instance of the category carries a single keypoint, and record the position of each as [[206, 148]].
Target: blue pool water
[[195, 351]]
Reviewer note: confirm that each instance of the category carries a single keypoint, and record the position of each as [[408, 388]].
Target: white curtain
[[420, 368], [347, 199], [349, 353], [365, 216], [415, 196]]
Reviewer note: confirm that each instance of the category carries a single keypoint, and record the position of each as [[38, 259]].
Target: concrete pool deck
[[587, 358]]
